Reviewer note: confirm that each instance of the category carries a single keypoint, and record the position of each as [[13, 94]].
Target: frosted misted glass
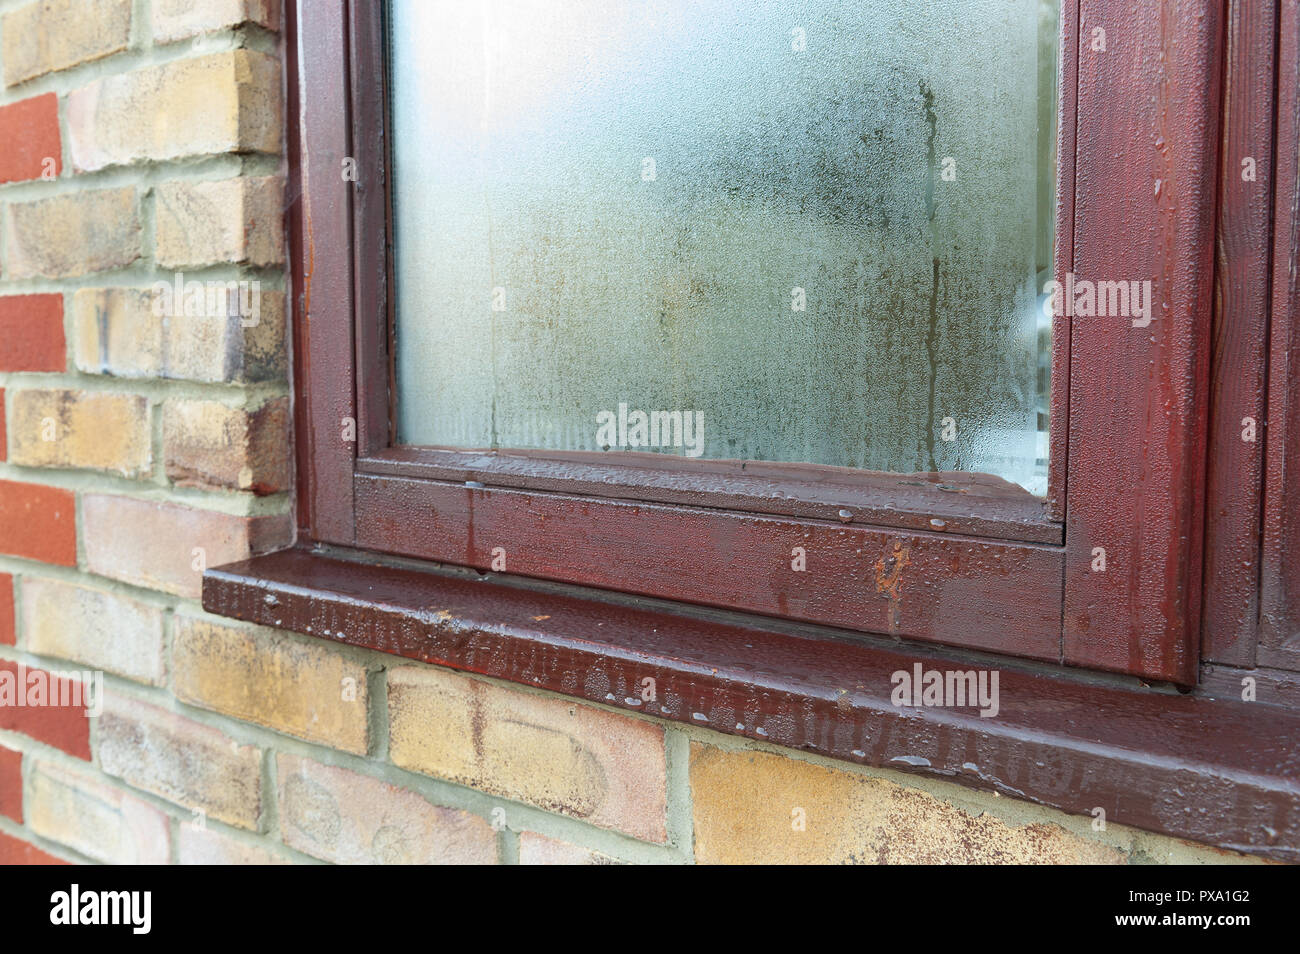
[[818, 227]]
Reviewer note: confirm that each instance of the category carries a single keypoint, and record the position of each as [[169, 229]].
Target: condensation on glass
[[821, 228]]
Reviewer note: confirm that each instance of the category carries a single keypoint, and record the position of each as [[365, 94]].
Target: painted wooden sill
[[1211, 770]]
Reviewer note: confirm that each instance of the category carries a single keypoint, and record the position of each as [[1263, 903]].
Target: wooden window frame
[[938, 558]]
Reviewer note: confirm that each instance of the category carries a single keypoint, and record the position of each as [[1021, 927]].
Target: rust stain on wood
[[889, 570], [889, 576]]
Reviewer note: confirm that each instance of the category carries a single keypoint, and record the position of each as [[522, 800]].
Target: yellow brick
[[600, 766], [535, 849], [293, 685], [94, 627], [178, 19], [53, 35], [196, 766], [80, 429], [748, 807], [207, 846], [347, 818], [76, 808], [115, 331], [209, 105], [207, 444], [209, 223], [70, 235]]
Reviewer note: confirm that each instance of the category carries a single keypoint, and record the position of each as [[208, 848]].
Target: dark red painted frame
[[1239, 360], [1279, 630], [1147, 127], [940, 558], [1251, 588]]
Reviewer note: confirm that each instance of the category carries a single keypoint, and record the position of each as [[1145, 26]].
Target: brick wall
[[142, 138]]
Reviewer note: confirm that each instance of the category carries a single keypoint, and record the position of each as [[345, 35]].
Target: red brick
[[15, 852], [38, 523], [11, 784], [8, 634], [3, 439], [30, 131], [65, 727], [31, 333]]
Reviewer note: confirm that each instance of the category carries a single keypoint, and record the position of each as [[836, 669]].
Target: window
[[777, 232], [575, 213]]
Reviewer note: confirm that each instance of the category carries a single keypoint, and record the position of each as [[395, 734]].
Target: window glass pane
[[820, 228]]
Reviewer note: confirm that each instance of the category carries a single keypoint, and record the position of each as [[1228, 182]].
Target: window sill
[[1211, 770]]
